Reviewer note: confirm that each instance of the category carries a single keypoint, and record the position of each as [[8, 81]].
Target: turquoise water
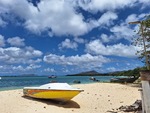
[[20, 82]]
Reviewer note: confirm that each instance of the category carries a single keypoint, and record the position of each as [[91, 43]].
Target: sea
[[18, 82]]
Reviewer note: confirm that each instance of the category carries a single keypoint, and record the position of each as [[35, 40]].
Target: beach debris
[[136, 106], [112, 111]]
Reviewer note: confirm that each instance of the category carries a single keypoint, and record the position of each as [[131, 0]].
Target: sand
[[96, 98]]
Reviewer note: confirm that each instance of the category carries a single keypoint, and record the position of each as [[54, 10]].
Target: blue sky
[[62, 37]]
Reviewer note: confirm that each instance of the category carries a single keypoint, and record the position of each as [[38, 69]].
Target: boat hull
[[62, 95]]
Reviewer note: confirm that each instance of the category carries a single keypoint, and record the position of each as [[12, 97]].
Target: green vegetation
[[134, 72]]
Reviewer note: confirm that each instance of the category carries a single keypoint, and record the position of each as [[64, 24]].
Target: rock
[[76, 81]]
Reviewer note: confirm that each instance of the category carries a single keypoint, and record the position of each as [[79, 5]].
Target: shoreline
[[96, 98]]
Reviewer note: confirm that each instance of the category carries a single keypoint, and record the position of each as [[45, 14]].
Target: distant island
[[134, 72], [88, 73]]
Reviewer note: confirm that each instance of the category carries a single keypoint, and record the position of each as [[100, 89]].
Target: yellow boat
[[56, 91]]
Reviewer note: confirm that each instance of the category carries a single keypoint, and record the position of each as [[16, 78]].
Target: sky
[[61, 37]]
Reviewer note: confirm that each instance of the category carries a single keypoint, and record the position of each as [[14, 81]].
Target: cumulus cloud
[[49, 70], [79, 40], [14, 58], [71, 44], [48, 13], [8, 69], [107, 18], [96, 47], [103, 5], [67, 43], [122, 31], [105, 38], [16, 41], [2, 41], [45, 16], [32, 66], [86, 60], [64, 17], [60, 12], [2, 22], [135, 17], [15, 55]]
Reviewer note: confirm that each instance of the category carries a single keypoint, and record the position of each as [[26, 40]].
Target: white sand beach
[[96, 98]]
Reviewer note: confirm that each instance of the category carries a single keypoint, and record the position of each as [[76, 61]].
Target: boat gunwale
[[30, 88]]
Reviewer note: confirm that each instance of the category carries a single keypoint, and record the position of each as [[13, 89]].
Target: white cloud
[[135, 17], [85, 60], [126, 30], [79, 40], [16, 41], [60, 17], [132, 18], [96, 47], [51, 12], [2, 41], [144, 3], [2, 22], [47, 16], [20, 68], [71, 44], [60, 12], [14, 55], [105, 38], [67, 43], [122, 31], [8, 69], [107, 18], [112, 69], [103, 5], [32, 66], [49, 70]]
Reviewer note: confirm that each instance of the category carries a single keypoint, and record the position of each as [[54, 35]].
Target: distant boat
[[56, 91], [52, 76], [94, 79], [124, 80], [0, 77]]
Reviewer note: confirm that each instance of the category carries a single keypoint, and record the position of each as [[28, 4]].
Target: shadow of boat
[[124, 80], [68, 104]]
